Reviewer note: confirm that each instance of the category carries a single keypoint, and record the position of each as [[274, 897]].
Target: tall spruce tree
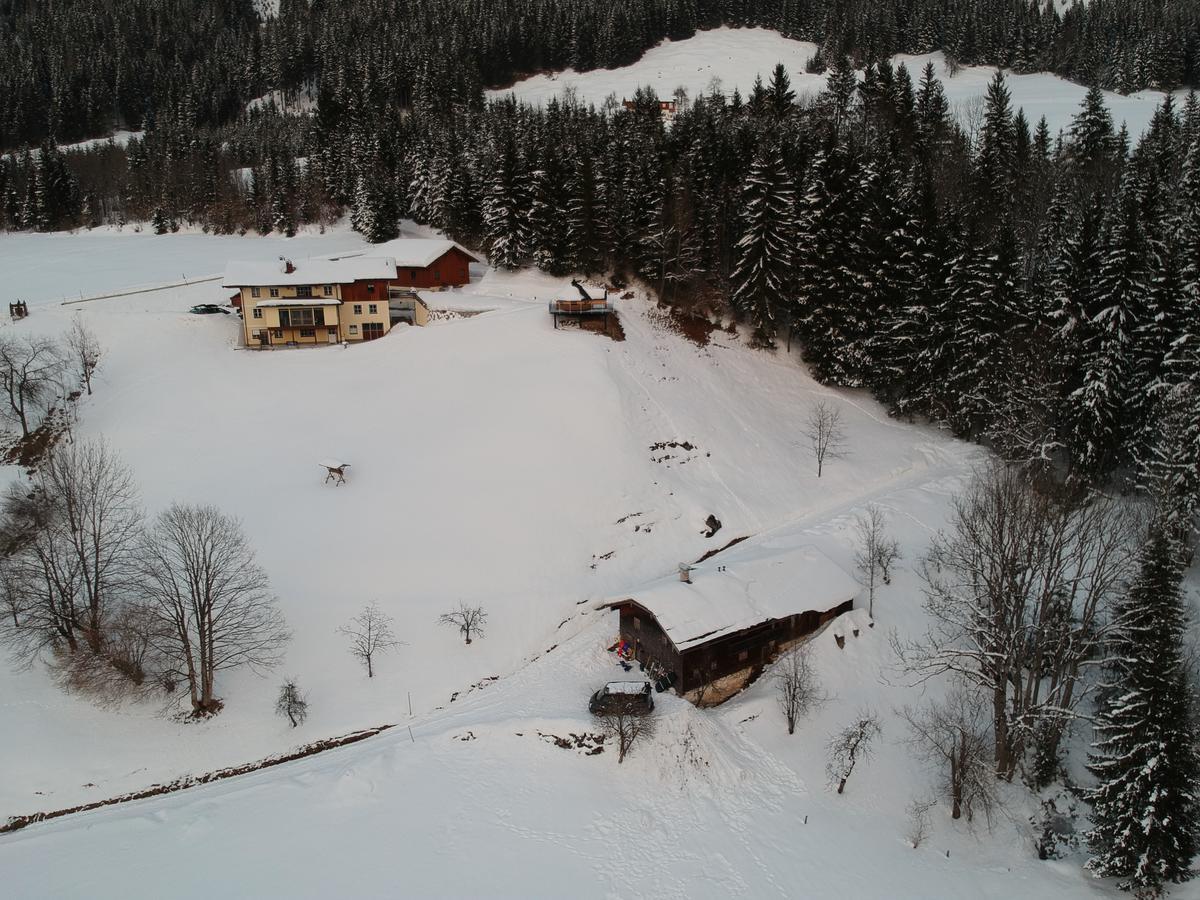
[[1103, 402], [1145, 809], [763, 281]]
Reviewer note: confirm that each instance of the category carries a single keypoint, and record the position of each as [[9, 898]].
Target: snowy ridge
[[726, 59]]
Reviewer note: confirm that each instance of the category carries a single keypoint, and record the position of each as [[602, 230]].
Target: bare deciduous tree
[[85, 352], [850, 746], [918, 820], [29, 376], [469, 620], [370, 632], [12, 599], [875, 553], [292, 703], [76, 536], [200, 577], [796, 685], [132, 641], [825, 433], [626, 721], [952, 735], [1017, 591]]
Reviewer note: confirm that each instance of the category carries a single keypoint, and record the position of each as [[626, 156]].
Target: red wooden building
[[427, 263]]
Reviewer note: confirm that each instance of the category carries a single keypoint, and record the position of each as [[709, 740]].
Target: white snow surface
[[500, 462], [744, 586], [728, 58]]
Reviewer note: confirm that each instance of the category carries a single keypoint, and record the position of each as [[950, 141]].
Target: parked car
[[632, 696], [207, 309]]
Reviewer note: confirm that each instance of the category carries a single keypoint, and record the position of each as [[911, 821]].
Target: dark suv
[[627, 696]]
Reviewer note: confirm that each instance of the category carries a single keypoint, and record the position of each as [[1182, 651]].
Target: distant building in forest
[[666, 108]]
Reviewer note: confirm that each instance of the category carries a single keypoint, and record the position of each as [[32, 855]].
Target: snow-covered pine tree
[[913, 340], [1102, 402], [831, 282], [373, 214], [160, 223], [505, 209], [932, 108], [1168, 456], [1090, 139], [763, 280], [579, 220], [1145, 810], [986, 295], [781, 98], [996, 156]]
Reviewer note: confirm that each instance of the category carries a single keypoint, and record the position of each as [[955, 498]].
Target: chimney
[[685, 573], [288, 268]]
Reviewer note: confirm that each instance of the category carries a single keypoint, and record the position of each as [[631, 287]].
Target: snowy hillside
[[499, 461], [486, 466], [729, 58]]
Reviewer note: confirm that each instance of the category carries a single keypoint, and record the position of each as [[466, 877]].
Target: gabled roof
[[308, 271], [744, 587], [418, 253]]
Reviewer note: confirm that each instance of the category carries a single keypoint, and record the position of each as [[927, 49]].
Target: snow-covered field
[[731, 58], [494, 460]]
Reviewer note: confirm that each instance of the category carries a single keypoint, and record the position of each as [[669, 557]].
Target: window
[[328, 289], [308, 332], [358, 309], [298, 318], [743, 656], [637, 624], [372, 308], [354, 329], [304, 290], [274, 292], [370, 287], [276, 333], [255, 292], [412, 274], [437, 274], [257, 312]]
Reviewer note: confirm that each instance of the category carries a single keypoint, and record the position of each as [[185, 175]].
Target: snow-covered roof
[[417, 253], [742, 588], [308, 271]]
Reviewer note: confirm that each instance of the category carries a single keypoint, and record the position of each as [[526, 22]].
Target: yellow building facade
[[313, 302]]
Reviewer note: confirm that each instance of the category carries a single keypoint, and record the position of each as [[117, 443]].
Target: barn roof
[[274, 273], [741, 588], [417, 253]]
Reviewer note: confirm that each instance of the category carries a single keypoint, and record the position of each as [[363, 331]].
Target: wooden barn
[[427, 262], [716, 625]]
